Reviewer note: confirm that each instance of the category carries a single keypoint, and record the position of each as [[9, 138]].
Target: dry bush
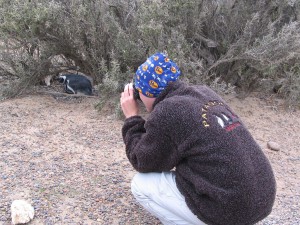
[[237, 42], [265, 45]]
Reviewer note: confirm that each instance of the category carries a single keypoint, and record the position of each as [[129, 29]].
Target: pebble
[[273, 146], [21, 212]]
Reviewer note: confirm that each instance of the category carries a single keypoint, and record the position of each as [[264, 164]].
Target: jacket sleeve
[[148, 150]]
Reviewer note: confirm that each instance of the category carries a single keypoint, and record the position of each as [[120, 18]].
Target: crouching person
[[197, 162]]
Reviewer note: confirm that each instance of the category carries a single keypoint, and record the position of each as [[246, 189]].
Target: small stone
[[273, 146], [21, 212]]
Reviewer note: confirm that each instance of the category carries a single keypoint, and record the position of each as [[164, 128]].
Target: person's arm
[[148, 150]]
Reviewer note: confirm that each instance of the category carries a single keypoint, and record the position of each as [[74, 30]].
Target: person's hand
[[128, 103]]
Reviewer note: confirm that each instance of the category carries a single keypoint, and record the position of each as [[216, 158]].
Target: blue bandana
[[153, 76]]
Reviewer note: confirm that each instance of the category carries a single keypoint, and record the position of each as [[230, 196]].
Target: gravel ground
[[69, 162]]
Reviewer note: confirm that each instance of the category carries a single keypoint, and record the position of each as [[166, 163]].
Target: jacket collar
[[169, 91]]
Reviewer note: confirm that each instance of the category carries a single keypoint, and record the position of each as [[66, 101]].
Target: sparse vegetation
[[240, 43]]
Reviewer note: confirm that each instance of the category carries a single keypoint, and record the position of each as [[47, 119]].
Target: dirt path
[[69, 161]]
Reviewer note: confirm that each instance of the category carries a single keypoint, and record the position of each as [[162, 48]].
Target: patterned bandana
[[153, 76]]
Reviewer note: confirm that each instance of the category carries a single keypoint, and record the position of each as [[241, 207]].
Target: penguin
[[74, 83]]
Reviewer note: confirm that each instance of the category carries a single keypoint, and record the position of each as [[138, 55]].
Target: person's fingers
[[130, 89], [122, 96], [126, 87]]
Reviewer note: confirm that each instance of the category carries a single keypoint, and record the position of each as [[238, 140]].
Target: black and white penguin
[[74, 83]]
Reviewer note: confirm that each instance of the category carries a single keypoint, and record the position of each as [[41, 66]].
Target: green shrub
[[237, 42]]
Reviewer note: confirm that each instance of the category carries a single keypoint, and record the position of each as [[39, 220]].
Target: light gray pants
[[157, 193]]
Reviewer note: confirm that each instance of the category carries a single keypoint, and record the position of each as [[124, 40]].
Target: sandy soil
[[68, 160]]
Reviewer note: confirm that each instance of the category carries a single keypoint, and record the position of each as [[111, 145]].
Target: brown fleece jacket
[[220, 169]]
